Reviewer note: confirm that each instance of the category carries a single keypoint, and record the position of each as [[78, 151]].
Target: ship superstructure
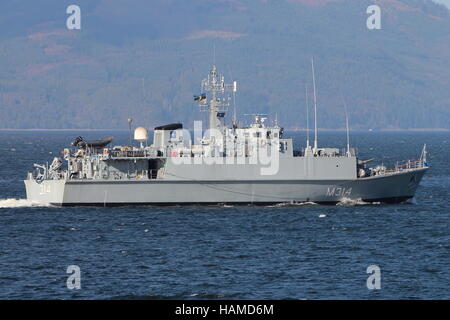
[[222, 164]]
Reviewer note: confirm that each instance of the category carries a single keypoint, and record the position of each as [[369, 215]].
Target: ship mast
[[307, 116], [346, 125], [315, 107], [219, 98]]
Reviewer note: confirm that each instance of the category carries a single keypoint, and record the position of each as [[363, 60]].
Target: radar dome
[[140, 134]]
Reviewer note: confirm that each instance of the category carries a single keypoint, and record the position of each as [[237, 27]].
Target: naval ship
[[225, 164]]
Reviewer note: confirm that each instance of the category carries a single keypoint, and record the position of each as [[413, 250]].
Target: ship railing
[[106, 153], [410, 165], [406, 166], [127, 154], [342, 153], [353, 152]]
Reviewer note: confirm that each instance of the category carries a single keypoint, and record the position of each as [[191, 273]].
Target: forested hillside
[[145, 59]]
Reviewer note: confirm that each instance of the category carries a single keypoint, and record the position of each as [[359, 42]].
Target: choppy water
[[286, 251]]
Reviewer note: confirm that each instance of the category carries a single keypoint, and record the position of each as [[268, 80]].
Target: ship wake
[[20, 203], [291, 204], [355, 202]]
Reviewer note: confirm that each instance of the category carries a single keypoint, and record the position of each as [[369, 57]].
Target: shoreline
[[286, 129]]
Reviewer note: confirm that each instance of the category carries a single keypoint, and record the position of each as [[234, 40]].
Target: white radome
[[141, 134]]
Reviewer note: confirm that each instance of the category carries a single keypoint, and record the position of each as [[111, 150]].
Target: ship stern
[[48, 192]]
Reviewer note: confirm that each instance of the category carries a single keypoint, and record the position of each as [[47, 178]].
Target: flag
[[200, 98]]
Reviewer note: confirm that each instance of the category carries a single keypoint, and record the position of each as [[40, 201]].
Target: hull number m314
[[339, 192]]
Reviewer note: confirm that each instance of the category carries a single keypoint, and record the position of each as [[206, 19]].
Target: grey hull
[[396, 187]]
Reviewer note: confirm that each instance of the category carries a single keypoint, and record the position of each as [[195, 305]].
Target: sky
[[446, 2]]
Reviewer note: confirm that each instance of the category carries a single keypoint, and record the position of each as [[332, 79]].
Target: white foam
[[352, 202], [308, 203], [289, 204], [18, 203], [322, 215]]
